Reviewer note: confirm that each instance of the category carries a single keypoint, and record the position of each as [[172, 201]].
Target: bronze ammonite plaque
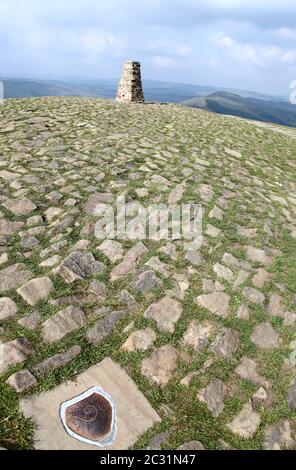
[[90, 417]]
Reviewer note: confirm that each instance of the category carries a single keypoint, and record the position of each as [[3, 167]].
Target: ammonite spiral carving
[[90, 418]]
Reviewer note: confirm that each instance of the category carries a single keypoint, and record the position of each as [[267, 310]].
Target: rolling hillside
[[278, 112], [192, 339], [246, 104], [106, 88]]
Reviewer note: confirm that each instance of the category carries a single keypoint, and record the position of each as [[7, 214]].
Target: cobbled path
[[208, 336]]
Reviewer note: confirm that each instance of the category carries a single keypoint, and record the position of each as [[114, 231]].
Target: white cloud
[[183, 51], [166, 47], [163, 61], [37, 40], [254, 54], [95, 42], [213, 63], [287, 33]]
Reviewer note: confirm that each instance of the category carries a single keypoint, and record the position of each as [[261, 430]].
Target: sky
[[242, 44]]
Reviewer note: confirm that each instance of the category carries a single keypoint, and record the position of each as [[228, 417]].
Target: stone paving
[[204, 340], [134, 414]]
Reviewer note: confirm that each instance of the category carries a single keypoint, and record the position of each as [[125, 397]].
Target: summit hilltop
[[196, 348]]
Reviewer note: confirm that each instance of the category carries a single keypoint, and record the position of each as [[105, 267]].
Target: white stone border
[[111, 436]]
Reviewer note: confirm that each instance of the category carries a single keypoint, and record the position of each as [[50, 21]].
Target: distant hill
[[106, 88], [241, 103], [279, 112], [18, 88]]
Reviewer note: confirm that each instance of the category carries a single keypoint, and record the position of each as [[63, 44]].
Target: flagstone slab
[[7, 308], [14, 276], [14, 352], [35, 290], [134, 413], [8, 228], [20, 206]]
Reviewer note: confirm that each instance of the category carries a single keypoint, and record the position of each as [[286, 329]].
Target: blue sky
[[232, 43]]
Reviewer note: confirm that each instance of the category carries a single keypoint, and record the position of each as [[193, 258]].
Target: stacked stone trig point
[[130, 85]]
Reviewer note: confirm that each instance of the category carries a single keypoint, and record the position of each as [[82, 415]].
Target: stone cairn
[[130, 85]]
